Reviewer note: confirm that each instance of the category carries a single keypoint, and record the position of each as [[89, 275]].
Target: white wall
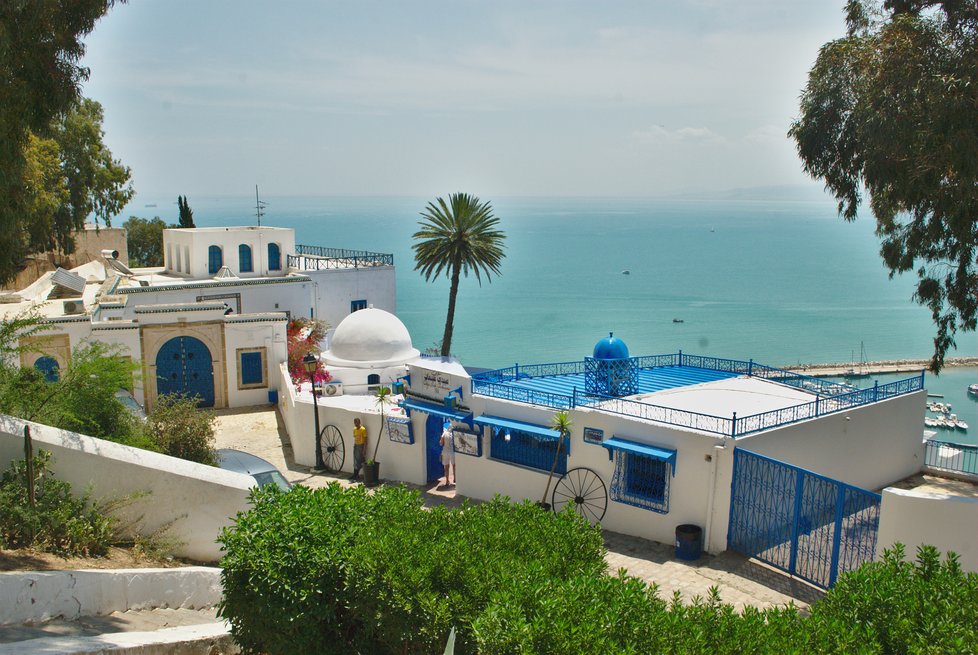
[[869, 446], [914, 517], [335, 289], [199, 240], [239, 332], [198, 499]]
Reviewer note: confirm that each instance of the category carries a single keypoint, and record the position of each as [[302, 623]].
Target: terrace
[[318, 258], [727, 397]]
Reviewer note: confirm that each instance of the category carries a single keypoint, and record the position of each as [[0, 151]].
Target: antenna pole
[[257, 206]]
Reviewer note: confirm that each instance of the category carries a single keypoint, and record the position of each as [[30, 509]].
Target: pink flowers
[[303, 336]]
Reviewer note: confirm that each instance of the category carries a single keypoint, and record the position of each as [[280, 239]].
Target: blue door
[[184, 367], [433, 430], [48, 366]]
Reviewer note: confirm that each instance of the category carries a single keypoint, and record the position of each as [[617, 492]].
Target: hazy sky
[[497, 98]]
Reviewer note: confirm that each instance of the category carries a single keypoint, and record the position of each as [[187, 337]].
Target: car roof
[[242, 462]]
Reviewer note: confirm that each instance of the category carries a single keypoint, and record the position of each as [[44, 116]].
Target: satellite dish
[[118, 266]]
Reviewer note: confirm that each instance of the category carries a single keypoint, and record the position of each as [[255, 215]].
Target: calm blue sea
[[780, 282]]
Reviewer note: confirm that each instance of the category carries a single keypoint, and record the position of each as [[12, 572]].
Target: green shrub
[[58, 522], [341, 571], [178, 428]]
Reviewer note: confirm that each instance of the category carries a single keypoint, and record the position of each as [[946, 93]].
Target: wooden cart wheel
[[332, 448], [587, 491]]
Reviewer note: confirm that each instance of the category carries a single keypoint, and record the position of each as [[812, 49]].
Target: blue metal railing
[[318, 258], [830, 397], [948, 456]]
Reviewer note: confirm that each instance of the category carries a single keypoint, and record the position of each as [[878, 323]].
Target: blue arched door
[[184, 367], [48, 366]]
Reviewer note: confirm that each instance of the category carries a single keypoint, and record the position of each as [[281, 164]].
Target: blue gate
[[433, 429], [184, 367], [811, 526]]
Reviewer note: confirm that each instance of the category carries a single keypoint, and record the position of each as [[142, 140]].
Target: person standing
[[448, 453], [359, 447]]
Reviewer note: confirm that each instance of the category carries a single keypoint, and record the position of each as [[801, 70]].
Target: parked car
[[262, 471], [131, 404]]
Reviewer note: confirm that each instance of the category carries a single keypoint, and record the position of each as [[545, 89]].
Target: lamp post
[[311, 363]]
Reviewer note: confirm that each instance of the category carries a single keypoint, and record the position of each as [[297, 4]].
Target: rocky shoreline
[[886, 366]]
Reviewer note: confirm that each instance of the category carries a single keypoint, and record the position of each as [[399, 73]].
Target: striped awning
[[641, 449]]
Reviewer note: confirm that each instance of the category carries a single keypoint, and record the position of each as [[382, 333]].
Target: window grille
[[357, 305], [528, 449], [244, 258], [641, 481]]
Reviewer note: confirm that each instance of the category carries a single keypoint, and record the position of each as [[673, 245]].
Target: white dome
[[370, 336]]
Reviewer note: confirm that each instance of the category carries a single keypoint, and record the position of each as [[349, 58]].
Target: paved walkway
[[741, 581]]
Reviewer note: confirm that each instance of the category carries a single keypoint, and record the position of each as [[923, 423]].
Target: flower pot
[[371, 474]]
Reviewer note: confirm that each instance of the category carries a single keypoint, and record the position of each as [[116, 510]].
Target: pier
[[877, 368]]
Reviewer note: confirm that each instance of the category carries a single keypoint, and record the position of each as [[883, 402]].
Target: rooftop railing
[[318, 258], [830, 397]]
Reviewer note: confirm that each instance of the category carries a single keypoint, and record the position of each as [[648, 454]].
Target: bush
[[179, 428], [340, 571], [58, 522]]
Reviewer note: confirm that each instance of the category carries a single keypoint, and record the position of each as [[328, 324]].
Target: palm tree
[[561, 422], [382, 396], [455, 238]]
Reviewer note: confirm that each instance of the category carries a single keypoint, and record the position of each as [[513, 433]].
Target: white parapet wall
[[194, 500], [913, 518]]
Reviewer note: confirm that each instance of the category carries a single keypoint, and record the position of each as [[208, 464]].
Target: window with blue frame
[[49, 368], [215, 259], [244, 258], [252, 368], [274, 257], [527, 449], [641, 481], [357, 305]]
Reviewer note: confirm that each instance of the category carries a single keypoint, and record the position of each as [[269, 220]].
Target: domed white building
[[368, 348]]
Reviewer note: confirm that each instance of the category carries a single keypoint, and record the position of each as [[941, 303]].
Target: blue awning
[[436, 410], [519, 426], [644, 450]]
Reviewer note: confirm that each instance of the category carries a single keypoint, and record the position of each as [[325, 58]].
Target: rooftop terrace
[[726, 397]]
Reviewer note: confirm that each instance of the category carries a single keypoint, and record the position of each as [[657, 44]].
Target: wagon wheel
[[332, 448], [586, 489]]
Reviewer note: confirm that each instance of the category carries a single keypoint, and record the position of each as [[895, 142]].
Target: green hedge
[[344, 571]]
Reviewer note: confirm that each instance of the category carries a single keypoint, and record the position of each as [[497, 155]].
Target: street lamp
[[311, 363]]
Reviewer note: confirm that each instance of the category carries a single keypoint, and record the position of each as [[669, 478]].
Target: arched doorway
[[184, 366]]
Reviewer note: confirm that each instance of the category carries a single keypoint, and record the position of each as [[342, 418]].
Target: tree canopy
[[144, 240], [457, 237], [891, 110], [40, 51], [186, 213]]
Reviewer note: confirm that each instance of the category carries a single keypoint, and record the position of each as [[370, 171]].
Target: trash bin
[[689, 541], [273, 396]]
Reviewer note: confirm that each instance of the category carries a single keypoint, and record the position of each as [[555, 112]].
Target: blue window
[[357, 305], [641, 481], [215, 259], [527, 449], [274, 257], [251, 368], [244, 258], [48, 366]]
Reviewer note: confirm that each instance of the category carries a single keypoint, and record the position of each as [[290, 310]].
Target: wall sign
[[468, 443], [399, 430], [593, 435]]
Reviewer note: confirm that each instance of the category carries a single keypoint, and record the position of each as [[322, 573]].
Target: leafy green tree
[[144, 239], [456, 238], [182, 430], [186, 213], [891, 110], [40, 51]]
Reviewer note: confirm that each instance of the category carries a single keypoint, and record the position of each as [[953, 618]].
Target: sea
[[782, 282]]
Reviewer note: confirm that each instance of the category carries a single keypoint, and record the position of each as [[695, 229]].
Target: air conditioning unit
[[74, 307], [333, 389]]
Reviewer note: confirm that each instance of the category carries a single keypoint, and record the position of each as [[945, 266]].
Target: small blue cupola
[[610, 372], [611, 347]]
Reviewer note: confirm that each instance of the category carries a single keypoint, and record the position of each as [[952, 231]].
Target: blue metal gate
[[184, 367], [433, 430], [811, 526]]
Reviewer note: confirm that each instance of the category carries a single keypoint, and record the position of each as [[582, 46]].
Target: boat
[[852, 372], [626, 272], [678, 320], [973, 389]]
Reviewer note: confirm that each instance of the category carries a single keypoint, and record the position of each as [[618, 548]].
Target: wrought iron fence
[[318, 258], [522, 395], [948, 456], [659, 414]]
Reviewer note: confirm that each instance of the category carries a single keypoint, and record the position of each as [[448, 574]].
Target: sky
[[423, 98]]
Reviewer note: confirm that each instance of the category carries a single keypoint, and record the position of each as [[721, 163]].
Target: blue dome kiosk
[[610, 372]]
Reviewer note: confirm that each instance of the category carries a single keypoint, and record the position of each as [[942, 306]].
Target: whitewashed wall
[[915, 517], [198, 499], [335, 289], [199, 240], [870, 446], [245, 332]]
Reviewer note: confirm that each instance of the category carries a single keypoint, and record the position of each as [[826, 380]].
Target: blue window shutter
[[215, 259], [244, 258], [274, 257], [252, 371]]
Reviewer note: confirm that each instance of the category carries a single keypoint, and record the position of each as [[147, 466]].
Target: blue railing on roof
[[319, 258], [948, 456], [830, 397]]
